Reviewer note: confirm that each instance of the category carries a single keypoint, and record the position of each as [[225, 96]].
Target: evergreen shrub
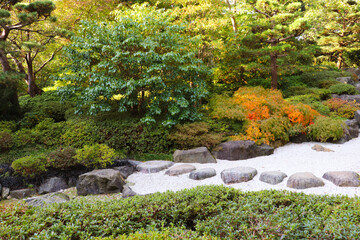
[[326, 129], [95, 156], [343, 88], [62, 158], [30, 166]]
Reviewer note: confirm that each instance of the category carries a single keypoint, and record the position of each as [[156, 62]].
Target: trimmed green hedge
[[216, 211]]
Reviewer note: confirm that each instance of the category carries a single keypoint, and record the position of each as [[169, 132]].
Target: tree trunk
[[274, 74], [340, 61], [33, 89]]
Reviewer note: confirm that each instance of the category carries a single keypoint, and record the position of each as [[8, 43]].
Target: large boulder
[[304, 180], [343, 178], [202, 173], [125, 171], [357, 116], [346, 80], [99, 182], [238, 174], [272, 177], [346, 97], [353, 128], [180, 169], [196, 155], [154, 166], [128, 192], [53, 184], [22, 193], [47, 199], [241, 150]]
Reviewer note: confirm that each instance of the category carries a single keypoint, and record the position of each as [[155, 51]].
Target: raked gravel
[[289, 159]]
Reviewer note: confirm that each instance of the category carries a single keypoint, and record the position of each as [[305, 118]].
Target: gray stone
[[357, 116], [319, 148], [47, 199], [72, 181], [353, 128], [346, 80], [200, 174], [304, 180], [128, 192], [22, 193], [99, 182], [354, 71], [240, 150], [196, 155], [272, 177], [0, 190], [5, 193], [125, 171], [357, 87], [134, 163], [180, 169], [346, 97], [238, 174], [154, 166], [53, 184], [343, 178]]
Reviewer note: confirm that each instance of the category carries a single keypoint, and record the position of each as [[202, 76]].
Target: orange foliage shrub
[[270, 117]]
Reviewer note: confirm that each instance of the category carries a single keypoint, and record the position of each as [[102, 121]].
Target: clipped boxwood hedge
[[215, 211]]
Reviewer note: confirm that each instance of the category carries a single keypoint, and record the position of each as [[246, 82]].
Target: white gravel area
[[289, 159]]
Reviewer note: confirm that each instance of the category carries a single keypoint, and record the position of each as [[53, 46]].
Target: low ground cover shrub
[[191, 135], [342, 88], [212, 211]]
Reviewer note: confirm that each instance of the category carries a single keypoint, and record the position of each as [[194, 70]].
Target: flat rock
[[154, 166], [343, 178], [100, 182], [53, 184], [180, 169], [303, 180], [47, 199], [272, 177], [203, 173], [240, 150], [125, 171], [319, 148], [196, 155], [238, 174], [22, 193], [5, 192], [128, 192]]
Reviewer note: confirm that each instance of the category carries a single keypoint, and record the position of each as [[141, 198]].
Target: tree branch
[[50, 59]]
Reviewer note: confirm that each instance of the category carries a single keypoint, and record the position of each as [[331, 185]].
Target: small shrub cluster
[[326, 129], [342, 88], [31, 166], [62, 158], [95, 156], [192, 135], [206, 212], [342, 108]]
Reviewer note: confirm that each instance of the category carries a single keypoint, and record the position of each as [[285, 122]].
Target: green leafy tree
[[273, 28], [16, 22], [141, 62], [340, 32]]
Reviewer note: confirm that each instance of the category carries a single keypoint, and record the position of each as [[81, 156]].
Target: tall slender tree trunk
[[340, 61], [274, 73], [33, 89]]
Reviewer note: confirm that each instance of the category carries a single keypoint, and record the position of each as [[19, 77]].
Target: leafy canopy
[[140, 62]]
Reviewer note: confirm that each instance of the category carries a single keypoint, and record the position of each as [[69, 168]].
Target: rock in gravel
[[238, 174], [53, 184], [202, 173], [272, 177], [357, 116], [50, 198], [180, 169], [319, 148], [99, 182], [303, 180], [241, 150], [22, 193], [5, 192], [343, 178], [125, 171], [154, 166], [196, 155], [128, 192]]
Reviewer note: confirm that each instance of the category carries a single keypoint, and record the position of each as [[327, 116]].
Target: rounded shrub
[[6, 141], [62, 158], [79, 133], [95, 156], [326, 129], [343, 88], [30, 166], [49, 131]]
